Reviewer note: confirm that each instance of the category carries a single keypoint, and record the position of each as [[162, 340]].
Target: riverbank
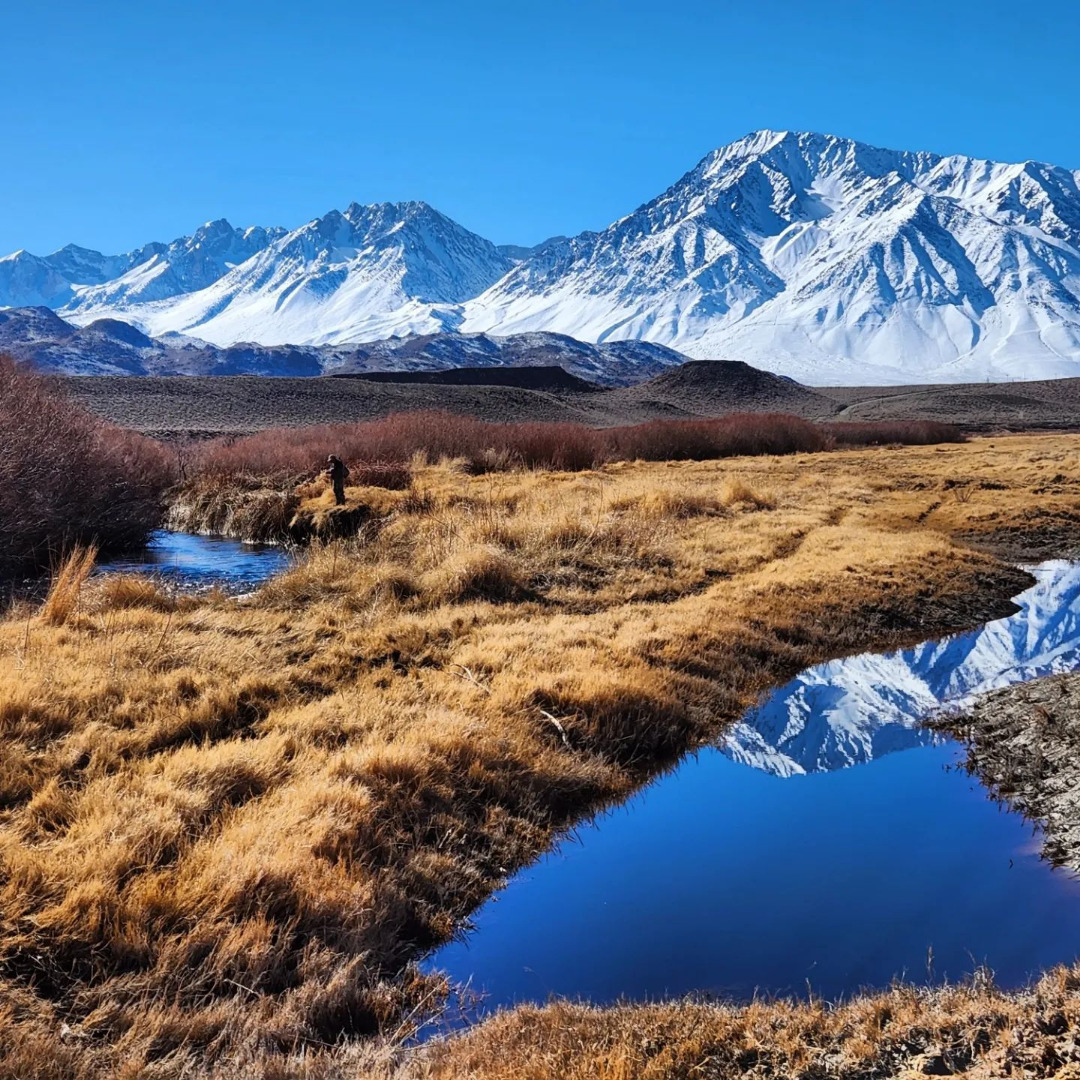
[[975, 1031], [228, 829], [1023, 743]]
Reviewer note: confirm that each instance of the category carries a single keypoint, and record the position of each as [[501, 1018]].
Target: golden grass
[[227, 827], [974, 1031], [65, 590]]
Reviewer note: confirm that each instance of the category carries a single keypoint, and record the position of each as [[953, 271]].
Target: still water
[[830, 844], [193, 562]]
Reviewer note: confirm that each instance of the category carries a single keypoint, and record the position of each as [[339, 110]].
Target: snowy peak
[[817, 257], [829, 260], [359, 275], [30, 281]]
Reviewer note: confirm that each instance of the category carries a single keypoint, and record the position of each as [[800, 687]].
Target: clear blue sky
[[125, 122]]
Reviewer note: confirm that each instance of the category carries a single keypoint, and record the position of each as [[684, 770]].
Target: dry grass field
[[227, 827]]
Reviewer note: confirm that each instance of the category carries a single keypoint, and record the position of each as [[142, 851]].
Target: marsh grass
[[65, 589], [228, 828], [973, 1030]]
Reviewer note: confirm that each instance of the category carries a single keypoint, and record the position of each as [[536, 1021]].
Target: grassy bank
[[260, 487], [227, 828], [974, 1031]]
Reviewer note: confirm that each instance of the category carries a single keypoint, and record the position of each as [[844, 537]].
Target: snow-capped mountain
[[83, 281], [817, 257], [830, 261], [159, 272], [361, 275], [853, 710]]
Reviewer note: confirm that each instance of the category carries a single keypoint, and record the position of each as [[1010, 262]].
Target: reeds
[[66, 588]]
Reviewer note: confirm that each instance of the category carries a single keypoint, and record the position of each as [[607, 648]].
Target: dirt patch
[[1023, 743]]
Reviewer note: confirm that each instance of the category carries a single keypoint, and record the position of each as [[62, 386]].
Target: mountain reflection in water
[[849, 711], [803, 872]]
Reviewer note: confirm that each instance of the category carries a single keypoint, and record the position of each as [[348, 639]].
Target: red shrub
[[381, 446], [728, 436], [388, 444], [68, 477], [900, 432]]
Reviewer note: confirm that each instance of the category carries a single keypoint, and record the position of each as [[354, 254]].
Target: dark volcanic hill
[[191, 405], [713, 387], [550, 378]]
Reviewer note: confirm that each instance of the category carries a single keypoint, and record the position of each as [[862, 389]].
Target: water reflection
[[802, 872], [857, 709]]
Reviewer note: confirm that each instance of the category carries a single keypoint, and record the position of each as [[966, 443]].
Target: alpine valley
[[819, 258]]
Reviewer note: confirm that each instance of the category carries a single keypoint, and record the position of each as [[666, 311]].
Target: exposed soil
[[215, 405], [1051, 404], [1024, 745]]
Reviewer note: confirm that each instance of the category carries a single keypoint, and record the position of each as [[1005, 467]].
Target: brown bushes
[[69, 478], [730, 436], [897, 432], [378, 451]]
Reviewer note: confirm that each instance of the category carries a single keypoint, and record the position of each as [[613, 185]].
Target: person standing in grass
[[338, 472]]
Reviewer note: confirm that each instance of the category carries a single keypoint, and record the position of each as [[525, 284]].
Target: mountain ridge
[[817, 257], [38, 336]]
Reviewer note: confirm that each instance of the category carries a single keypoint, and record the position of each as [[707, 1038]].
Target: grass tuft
[[66, 587], [736, 492], [118, 592]]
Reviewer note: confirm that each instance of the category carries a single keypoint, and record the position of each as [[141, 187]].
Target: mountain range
[[853, 710], [817, 257], [107, 346]]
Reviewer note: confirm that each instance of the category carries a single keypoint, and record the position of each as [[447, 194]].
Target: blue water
[[188, 561], [824, 859]]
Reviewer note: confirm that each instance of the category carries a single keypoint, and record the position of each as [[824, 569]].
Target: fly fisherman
[[338, 473]]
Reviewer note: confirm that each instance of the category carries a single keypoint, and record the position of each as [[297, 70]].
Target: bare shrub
[[69, 478], [378, 451], [898, 432], [729, 436]]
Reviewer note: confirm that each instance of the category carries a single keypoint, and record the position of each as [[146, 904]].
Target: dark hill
[[712, 387], [551, 378], [117, 330]]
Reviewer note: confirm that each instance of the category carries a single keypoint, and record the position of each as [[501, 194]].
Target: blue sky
[[126, 122]]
